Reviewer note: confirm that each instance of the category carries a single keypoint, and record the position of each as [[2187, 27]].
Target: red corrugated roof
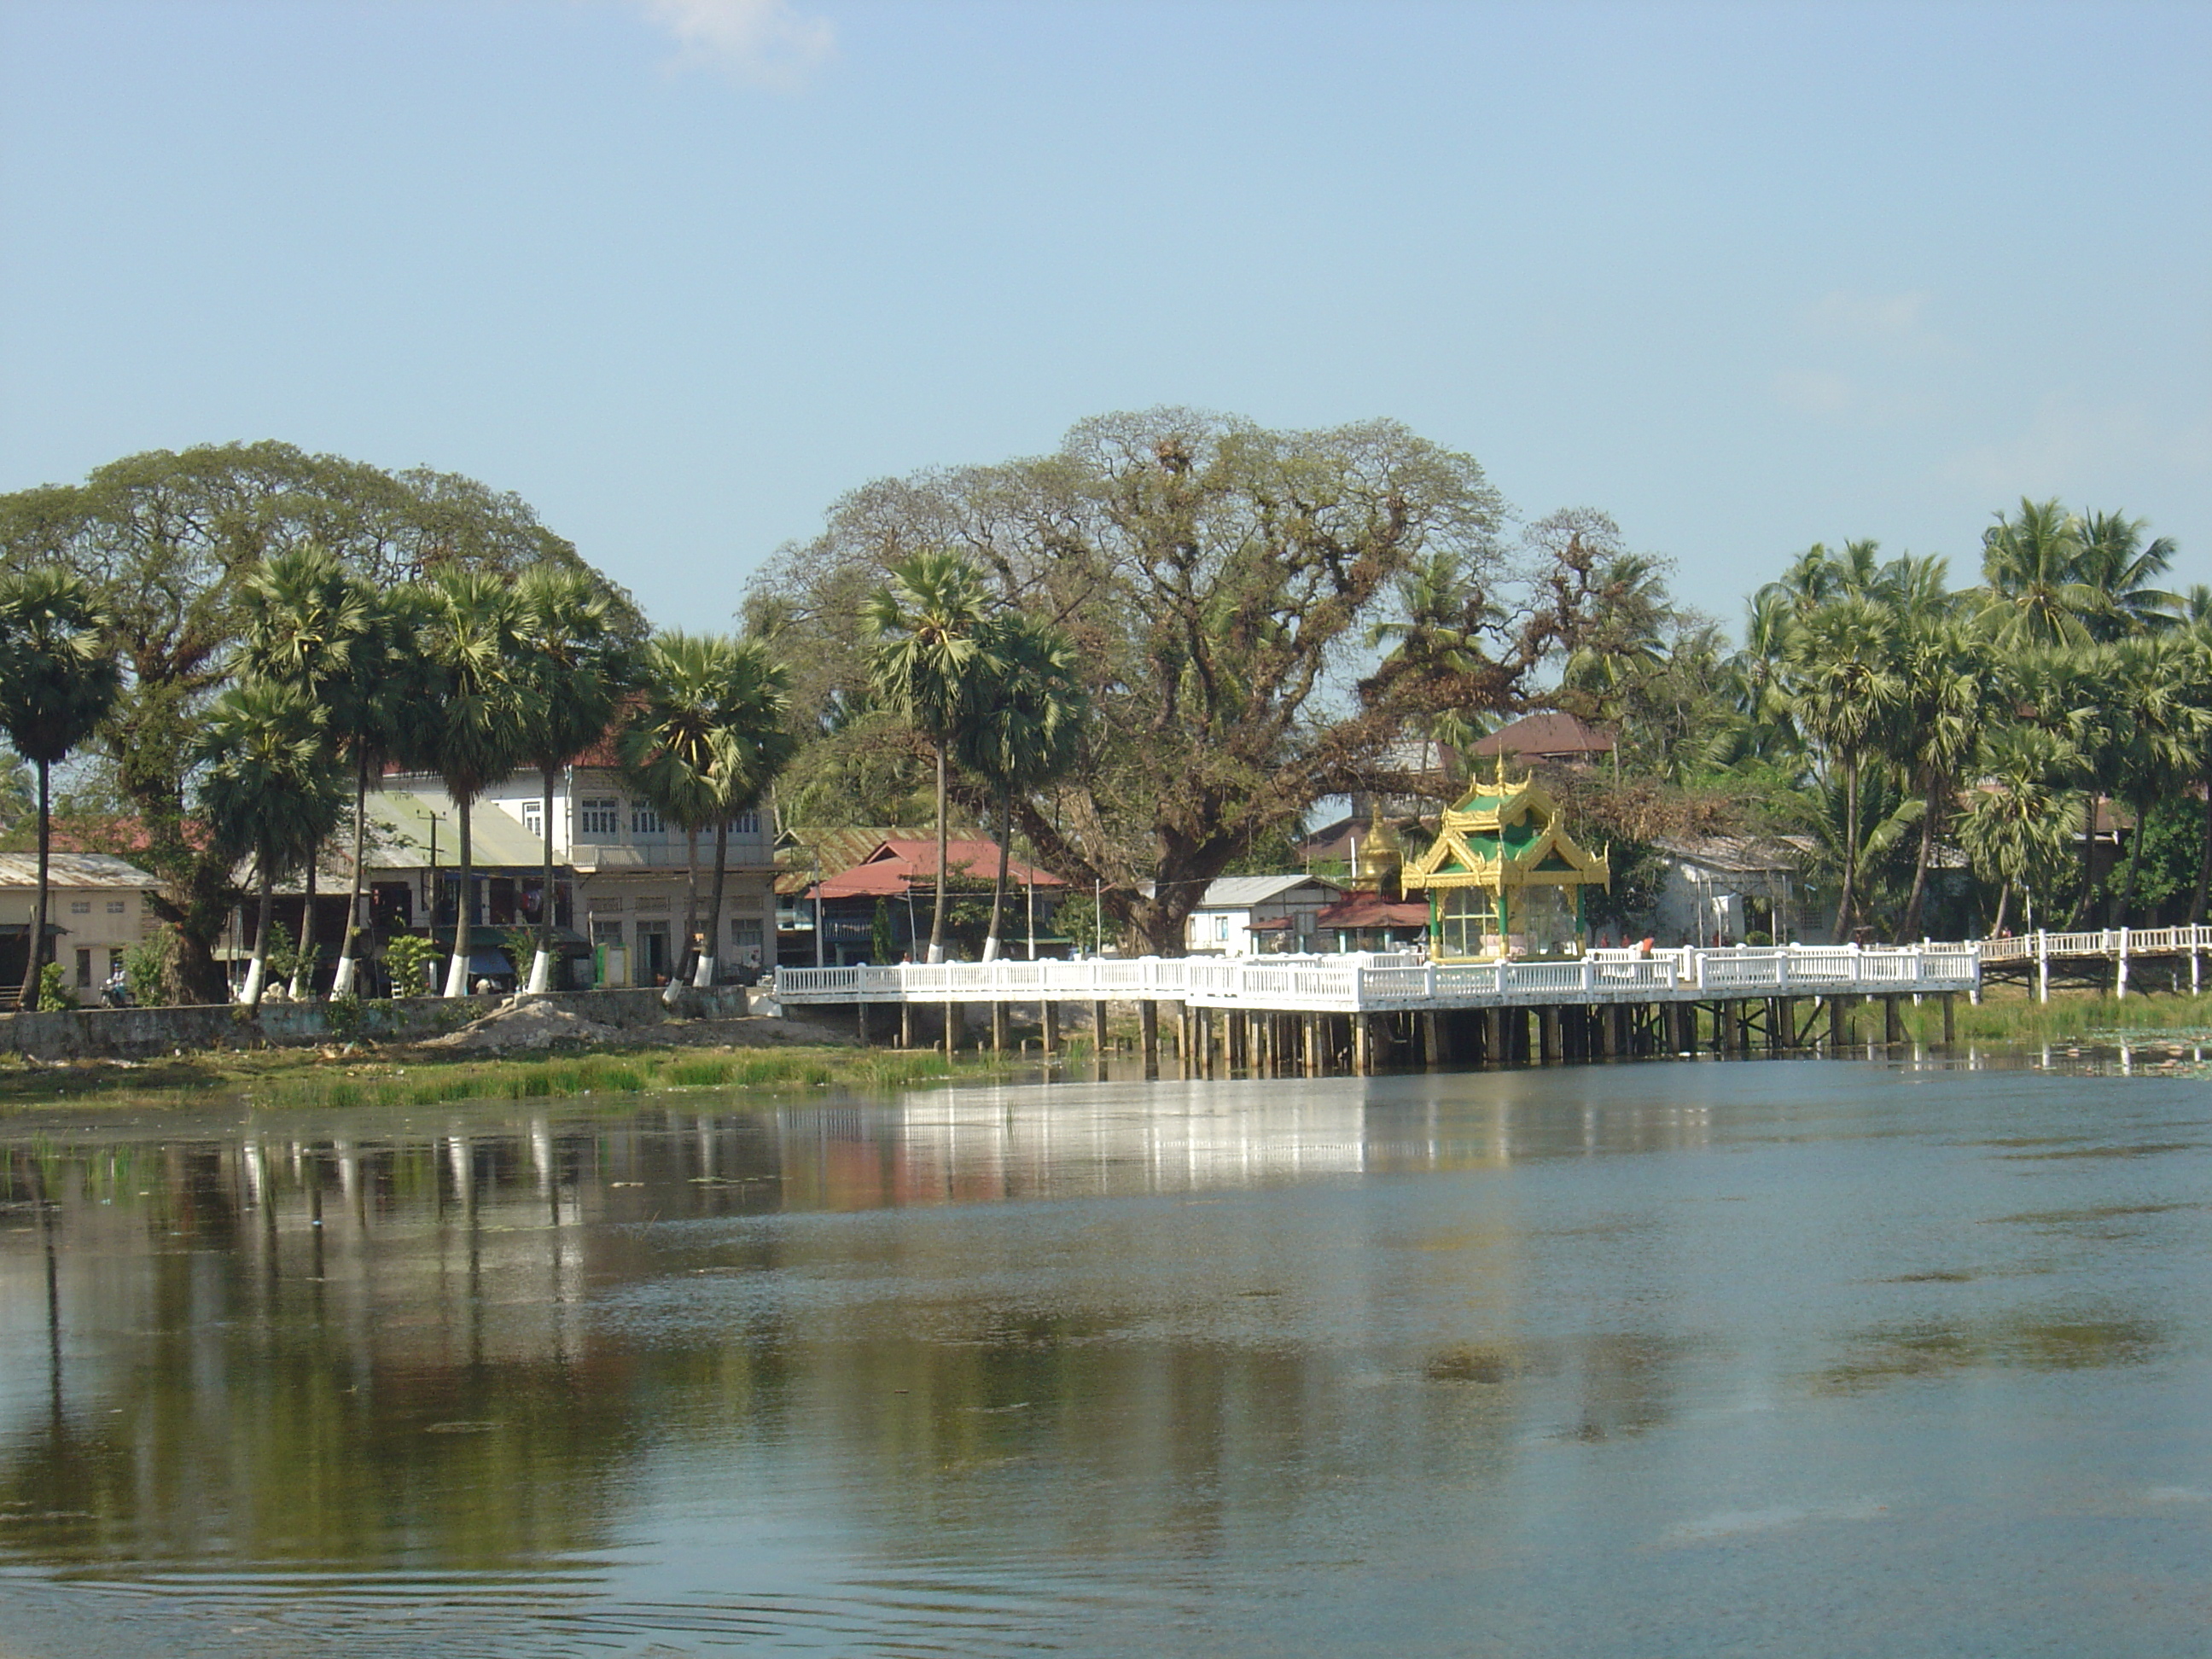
[[897, 865], [1553, 733], [1373, 910]]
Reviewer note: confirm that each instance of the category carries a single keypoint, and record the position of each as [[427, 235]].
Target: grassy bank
[[2009, 1015], [282, 1078]]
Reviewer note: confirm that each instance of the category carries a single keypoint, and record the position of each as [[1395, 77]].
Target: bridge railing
[[1353, 982]]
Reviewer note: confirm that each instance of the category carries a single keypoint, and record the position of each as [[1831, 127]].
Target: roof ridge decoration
[[1475, 845]]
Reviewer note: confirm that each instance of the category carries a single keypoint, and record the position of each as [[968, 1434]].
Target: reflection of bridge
[[1273, 1011], [2103, 955]]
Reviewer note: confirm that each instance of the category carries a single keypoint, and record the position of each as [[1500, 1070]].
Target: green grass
[[2008, 1015], [304, 1078]]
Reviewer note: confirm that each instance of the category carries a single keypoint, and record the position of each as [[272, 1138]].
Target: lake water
[[1762, 1359]]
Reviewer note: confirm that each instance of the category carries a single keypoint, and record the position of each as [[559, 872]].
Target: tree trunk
[[355, 925], [2204, 863], [2088, 860], [703, 975], [1912, 927], [999, 886], [684, 957], [303, 968], [1846, 900], [457, 972], [541, 967], [35, 953], [2004, 898], [937, 917], [257, 972], [2126, 898]]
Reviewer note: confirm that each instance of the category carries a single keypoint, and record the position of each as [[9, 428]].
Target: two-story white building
[[620, 872]]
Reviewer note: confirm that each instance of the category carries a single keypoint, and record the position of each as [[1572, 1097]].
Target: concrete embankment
[[139, 1033]]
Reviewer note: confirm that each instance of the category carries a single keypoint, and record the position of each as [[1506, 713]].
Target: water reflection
[[1105, 1368]]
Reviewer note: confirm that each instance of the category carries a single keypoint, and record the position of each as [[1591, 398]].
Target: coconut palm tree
[[1844, 688], [1944, 689], [58, 679], [578, 665], [311, 625], [2158, 727], [475, 728], [2017, 827], [2035, 591], [272, 789], [2123, 568], [708, 738], [1025, 727], [928, 626]]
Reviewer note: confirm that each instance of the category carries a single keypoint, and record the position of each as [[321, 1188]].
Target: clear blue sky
[[682, 271]]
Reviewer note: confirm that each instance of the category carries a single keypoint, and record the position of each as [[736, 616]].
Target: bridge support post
[[951, 1028], [1051, 1022], [1430, 1035], [1317, 1059], [1098, 1030], [1893, 1021], [1950, 1018], [906, 1025], [1494, 1037], [861, 1022], [1782, 1024], [1363, 1045], [2120, 974], [998, 1027], [2042, 966], [1547, 1033], [1148, 1025], [1839, 1026]]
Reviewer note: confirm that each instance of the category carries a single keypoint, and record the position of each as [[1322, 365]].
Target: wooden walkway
[[1311, 1014], [2111, 957]]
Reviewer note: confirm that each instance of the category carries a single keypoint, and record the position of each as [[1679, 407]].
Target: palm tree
[[58, 679], [2035, 590], [272, 789], [475, 729], [708, 738], [2158, 728], [2116, 561], [1027, 722], [577, 664], [312, 626], [928, 625], [1944, 697], [1844, 688], [2016, 828]]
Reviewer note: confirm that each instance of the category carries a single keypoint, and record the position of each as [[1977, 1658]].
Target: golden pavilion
[[1504, 878]]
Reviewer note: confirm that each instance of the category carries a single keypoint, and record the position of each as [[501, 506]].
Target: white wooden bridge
[[2102, 956], [1280, 1010]]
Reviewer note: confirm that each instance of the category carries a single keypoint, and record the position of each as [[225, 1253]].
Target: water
[[1772, 1358]]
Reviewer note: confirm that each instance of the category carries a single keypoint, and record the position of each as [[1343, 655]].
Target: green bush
[[407, 959], [53, 989]]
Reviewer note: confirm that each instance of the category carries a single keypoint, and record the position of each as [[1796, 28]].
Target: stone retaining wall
[[137, 1033]]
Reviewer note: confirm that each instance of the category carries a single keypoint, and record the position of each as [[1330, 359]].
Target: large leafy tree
[[57, 682], [1218, 579], [707, 736], [475, 728], [272, 788], [165, 540], [931, 635], [576, 658]]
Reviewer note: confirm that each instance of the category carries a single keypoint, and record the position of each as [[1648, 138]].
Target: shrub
[[407, 959]]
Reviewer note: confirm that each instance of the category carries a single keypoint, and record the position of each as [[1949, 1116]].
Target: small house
[[1249, 915]]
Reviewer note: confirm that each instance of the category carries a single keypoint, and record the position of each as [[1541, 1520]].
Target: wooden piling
[[1051, 1027], [1950, 1019], [1148, 1026], [1893, 1021]]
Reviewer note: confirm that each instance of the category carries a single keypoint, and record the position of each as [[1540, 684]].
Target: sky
[[682, 272]]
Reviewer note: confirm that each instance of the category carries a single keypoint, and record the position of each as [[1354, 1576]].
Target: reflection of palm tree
[[58, 680], [475, 728], [1025, 727], [573, 658], [272, 789], [708, 738], [928, 626]]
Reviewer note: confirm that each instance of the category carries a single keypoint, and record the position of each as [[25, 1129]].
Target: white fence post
[[2120, 979]]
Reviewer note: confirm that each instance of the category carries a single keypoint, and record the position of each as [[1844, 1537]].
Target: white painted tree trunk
[[252, 993], [342, 981], [457, 975], [541, 973], [702, 977]]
